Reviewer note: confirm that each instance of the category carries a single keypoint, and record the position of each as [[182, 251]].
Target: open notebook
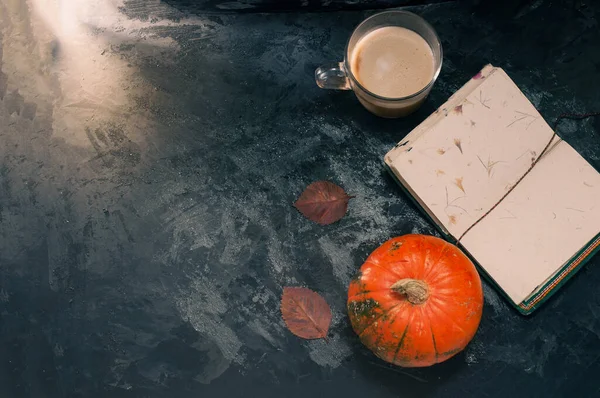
[[465, 156]]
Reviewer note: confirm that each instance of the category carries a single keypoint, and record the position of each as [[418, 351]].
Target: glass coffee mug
[[339, 75]]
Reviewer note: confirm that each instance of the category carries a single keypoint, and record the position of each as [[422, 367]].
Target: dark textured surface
[[252, 6], [150, 157]]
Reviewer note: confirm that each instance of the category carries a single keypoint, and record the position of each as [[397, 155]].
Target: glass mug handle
[[332, 76]]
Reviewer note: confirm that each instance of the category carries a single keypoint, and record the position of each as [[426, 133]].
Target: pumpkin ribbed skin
[[416, 301]]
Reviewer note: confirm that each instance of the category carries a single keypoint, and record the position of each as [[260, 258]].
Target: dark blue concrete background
[[149, 162]]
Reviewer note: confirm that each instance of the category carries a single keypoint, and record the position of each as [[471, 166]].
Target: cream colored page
[[434, 118], [553, 213], [464, 163]]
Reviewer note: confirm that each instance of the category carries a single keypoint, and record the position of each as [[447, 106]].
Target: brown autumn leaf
[[323, 202], [306, 313]]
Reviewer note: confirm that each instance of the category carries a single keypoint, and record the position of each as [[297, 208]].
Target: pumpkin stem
[[416, 291]]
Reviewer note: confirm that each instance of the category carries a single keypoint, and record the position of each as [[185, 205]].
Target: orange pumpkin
[[416, 301]]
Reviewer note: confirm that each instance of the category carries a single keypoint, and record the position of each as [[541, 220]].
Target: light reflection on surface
[[61, 56]]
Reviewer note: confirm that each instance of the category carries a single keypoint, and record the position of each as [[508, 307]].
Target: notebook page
[[553, 213], [465, 162], [434, 118]]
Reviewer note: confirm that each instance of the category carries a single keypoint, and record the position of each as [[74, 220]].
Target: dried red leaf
[[306, 313], [323, 202]]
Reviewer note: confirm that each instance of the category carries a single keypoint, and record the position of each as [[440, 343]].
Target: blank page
[[551, 215]]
